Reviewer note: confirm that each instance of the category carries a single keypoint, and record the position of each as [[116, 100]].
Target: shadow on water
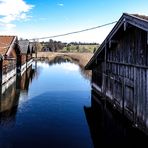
[[109, 128], [9, 96]]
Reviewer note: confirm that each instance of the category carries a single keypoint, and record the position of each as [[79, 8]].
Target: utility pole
[[35, 48], [35, 54]]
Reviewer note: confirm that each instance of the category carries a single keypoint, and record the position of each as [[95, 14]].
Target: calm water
[[53, 106], [46, 110]]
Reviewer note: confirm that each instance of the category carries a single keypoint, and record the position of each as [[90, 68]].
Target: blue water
[[53, 106], [48, 111]]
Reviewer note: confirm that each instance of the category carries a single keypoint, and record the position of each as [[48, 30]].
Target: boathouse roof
[[136, 20], [6, 42], [24, 46]]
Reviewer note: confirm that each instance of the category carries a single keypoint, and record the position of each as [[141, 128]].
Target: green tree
[[39, 46]]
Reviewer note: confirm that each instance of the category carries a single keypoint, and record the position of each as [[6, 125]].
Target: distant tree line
[[52, 45], [82, 43], [56, 46]]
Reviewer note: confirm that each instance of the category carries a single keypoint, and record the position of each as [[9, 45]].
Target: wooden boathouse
[[120, 68], [26, 49], [15, 57], [9, 51]]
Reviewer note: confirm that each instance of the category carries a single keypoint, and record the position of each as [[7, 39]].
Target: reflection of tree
[[9, 99], [59, 60], [109, 128], [62, 59]]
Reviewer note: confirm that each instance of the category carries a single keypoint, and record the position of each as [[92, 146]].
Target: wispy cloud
[[60, 4], [11, 11]]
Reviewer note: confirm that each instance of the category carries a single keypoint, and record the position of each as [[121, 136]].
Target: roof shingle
[[141, 16], [5, 42], [24, 45]]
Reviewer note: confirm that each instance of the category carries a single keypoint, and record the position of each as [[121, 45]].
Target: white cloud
[[60, 4], [10, 26], [12, 10]]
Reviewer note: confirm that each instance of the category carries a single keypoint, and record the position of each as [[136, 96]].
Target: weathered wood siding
[[126, 76], [23, 59], [29, 57], [8, 65]]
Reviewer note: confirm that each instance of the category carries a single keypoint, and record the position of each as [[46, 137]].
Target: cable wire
[[65, 34]]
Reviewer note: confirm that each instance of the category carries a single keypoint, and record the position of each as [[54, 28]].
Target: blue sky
[[38, 18]]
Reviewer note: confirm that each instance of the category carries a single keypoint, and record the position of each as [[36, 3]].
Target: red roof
[[5, 42]]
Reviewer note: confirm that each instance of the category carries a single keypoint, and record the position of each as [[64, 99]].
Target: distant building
[[26, 49]]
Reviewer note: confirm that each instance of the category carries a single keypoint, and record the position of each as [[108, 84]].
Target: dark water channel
[[53, 106]]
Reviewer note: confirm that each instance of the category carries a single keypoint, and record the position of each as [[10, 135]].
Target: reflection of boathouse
[[108, 128], [120, 68], [10, 93], [25, 79]]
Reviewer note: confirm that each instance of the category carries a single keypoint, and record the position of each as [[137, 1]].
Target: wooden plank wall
[[127, 75], [127, 64]]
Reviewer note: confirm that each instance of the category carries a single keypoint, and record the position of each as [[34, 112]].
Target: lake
[[52, 106]]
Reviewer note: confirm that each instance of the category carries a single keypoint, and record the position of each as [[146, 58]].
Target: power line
[[65, 34], [54, 36]]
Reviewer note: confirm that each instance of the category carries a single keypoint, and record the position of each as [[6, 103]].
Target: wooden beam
[[147, 37], [127, 64], [112, 42], [140, 23], [1, 69], [104, 76], [125, 24]]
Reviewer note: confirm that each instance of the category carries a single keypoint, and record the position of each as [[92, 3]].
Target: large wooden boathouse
[[120, 68]]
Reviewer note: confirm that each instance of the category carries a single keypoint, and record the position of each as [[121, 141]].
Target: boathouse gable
[[9, 47]]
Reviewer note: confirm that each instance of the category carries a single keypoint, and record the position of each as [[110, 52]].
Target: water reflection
[[8, 104], [51, 115], [9, 96], [59, 60], [108, 128], [63, 59], [22, 82]]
